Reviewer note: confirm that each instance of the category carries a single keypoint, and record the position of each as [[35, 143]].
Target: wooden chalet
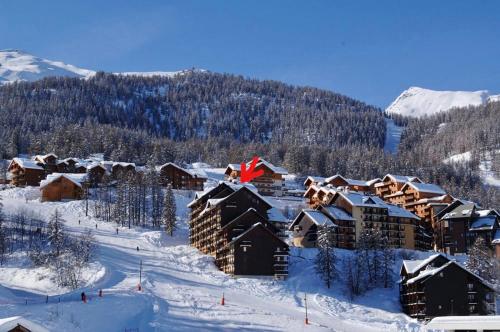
[[122, 169], [371, 212], [95, 173], [437, 286], [49, 162], [306, 225], [391, 184], [20, 324], [181, 178], [317, 195], [248, 245], [25, 172], [231, 222], [62, 186], [62, 167], [461, 223], [271, 183], [314, 180]]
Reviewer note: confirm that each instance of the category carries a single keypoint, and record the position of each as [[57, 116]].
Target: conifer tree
[[169, 212], [56, 234], [325, 260]]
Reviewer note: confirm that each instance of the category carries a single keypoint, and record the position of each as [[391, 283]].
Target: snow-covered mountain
[[17, 65], [418, 102]]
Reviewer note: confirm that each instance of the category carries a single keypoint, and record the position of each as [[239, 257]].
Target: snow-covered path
[[182, 289]]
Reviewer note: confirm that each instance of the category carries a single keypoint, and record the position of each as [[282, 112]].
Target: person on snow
[[84, 297]]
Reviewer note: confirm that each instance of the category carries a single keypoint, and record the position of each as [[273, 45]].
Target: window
[[470, 286], [472, 308]]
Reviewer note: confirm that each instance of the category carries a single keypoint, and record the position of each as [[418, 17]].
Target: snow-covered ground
[[488, 176], [418, 102], [182, 288], [392, 136]]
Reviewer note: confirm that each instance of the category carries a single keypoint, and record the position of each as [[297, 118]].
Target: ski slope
[[182, 289]]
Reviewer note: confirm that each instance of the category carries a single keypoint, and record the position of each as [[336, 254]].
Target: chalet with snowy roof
[[62, 186], [26, 172], [95, 173], [270, 183], [49, 162], [317, 195], [306, 225], [120, 169], [313, 180], [437, 286], [338, 180], [461, 223], [233, 223], [20, 324], [181, 178], [371, 212], [391, 184]]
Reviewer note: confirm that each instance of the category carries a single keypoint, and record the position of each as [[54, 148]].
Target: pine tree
[[169, 212], [3, 235], [56, 234], [481, 262], [325, 260]]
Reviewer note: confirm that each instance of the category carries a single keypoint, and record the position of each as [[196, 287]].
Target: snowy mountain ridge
[[16, 65], [418, 102]]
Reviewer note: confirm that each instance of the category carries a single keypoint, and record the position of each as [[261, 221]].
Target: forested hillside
[[220, 118], [193, 106]]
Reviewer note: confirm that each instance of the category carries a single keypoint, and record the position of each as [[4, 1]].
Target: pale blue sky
[[370, 50]]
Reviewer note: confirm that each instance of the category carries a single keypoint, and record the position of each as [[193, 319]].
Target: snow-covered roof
[[461, 211], [318, 218], [76, 178], [412, 266], [275, 215], [435, 199], [123, 164], [426, 188], [483, 213], [9, 323], [373, 181], [429, 272], [254, 226], [195, 172], [400, 178], [275, 169], [483, 223], [26, 163], [462, 323], [337, 213], [496, 237], [315, 179], [42, 157], [94, 165], [360, 199]]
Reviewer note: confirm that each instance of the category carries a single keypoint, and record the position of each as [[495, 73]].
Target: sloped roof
[[426, 188], [26, 163], [251, 229], [430, 200], [462, 323], [412, 266], [399, 178], [429, 273], [315, 179], [76, 178], [45, 156], [483, 223], [496, 237], [10, 323], [461, 211], [199, 173], [275, 215], [337, 213], [275, 169]]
